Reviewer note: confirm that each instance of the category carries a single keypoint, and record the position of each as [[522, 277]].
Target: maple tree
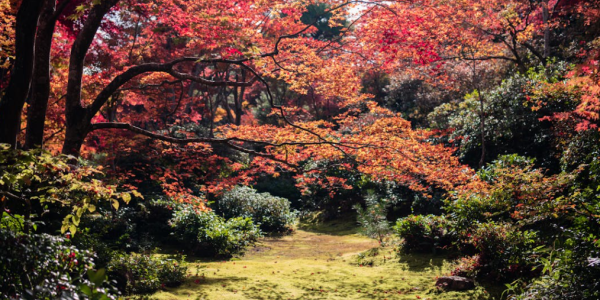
[[157, 68], [178, 72], [192, 73], [183, 100]]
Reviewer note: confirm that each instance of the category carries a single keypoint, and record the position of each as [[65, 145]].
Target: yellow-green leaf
[[126, 197]]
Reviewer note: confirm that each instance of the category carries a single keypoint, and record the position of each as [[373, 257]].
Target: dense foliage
[[475, 125], [54, 268], [272, 214], [34, 182], [143, 274], [423, 233], [207, 234]]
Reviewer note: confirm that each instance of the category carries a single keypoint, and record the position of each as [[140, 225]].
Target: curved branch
[[208, 82], [228, 141], [126, 76], [132, 72]]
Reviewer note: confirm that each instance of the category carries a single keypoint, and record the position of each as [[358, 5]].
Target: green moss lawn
[[328, 262]]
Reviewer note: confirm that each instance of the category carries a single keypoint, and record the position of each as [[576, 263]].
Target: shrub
[[503, 251], [143, 274], [571, 271], [43, 187], [367, 258], [425, 233], [41, 266], [208, 234], [138, 227], [272, 213], [517, 193]]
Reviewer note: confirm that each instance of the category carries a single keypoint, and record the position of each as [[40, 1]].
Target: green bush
[[138, 227], [143, 274], [207, 234], [503, 252], [425, 233], [272, 213], [41, 266], [570, 271], [50, 189]]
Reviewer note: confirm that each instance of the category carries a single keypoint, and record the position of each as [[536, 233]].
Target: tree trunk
[[239, 100], [482, 128], [78, 117], [546, 17], [16, 92], [40, 87], [76, 132]]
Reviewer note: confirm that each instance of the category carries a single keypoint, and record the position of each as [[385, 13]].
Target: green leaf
[[97, 277], [86, 289]]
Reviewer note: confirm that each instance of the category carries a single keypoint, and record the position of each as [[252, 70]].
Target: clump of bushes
[[503, 252], [425, 233], [207, 234], [41, 266], [273, 214], [144, 274], [569, 271], [138, 227], [497, 251]]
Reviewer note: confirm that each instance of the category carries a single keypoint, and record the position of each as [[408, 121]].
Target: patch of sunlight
[[313, 265]]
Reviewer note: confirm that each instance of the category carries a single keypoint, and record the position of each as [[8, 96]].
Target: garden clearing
[[318, 264]]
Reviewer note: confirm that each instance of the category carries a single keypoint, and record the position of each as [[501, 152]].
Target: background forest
[[466, 128]]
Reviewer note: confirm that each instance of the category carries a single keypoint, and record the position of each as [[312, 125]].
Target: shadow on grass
[[418, 262], [494, 288], [345, 225], [196, 284], [199, 281]]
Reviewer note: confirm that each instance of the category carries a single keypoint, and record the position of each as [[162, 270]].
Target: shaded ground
[[316, 265]]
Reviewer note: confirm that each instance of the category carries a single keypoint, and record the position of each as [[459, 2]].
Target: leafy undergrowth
[[315, 265]]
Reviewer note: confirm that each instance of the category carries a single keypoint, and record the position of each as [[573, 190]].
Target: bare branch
[[11, 195]]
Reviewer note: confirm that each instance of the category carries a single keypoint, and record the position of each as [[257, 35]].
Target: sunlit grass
[[313, 265]]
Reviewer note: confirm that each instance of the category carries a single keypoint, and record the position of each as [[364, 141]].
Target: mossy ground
[[316, 265]]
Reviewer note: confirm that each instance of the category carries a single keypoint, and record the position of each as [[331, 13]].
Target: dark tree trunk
[[40, 86], [239, 100], [76, 132], [79, 117], [16, 92], [546, 16], [482, 128]]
